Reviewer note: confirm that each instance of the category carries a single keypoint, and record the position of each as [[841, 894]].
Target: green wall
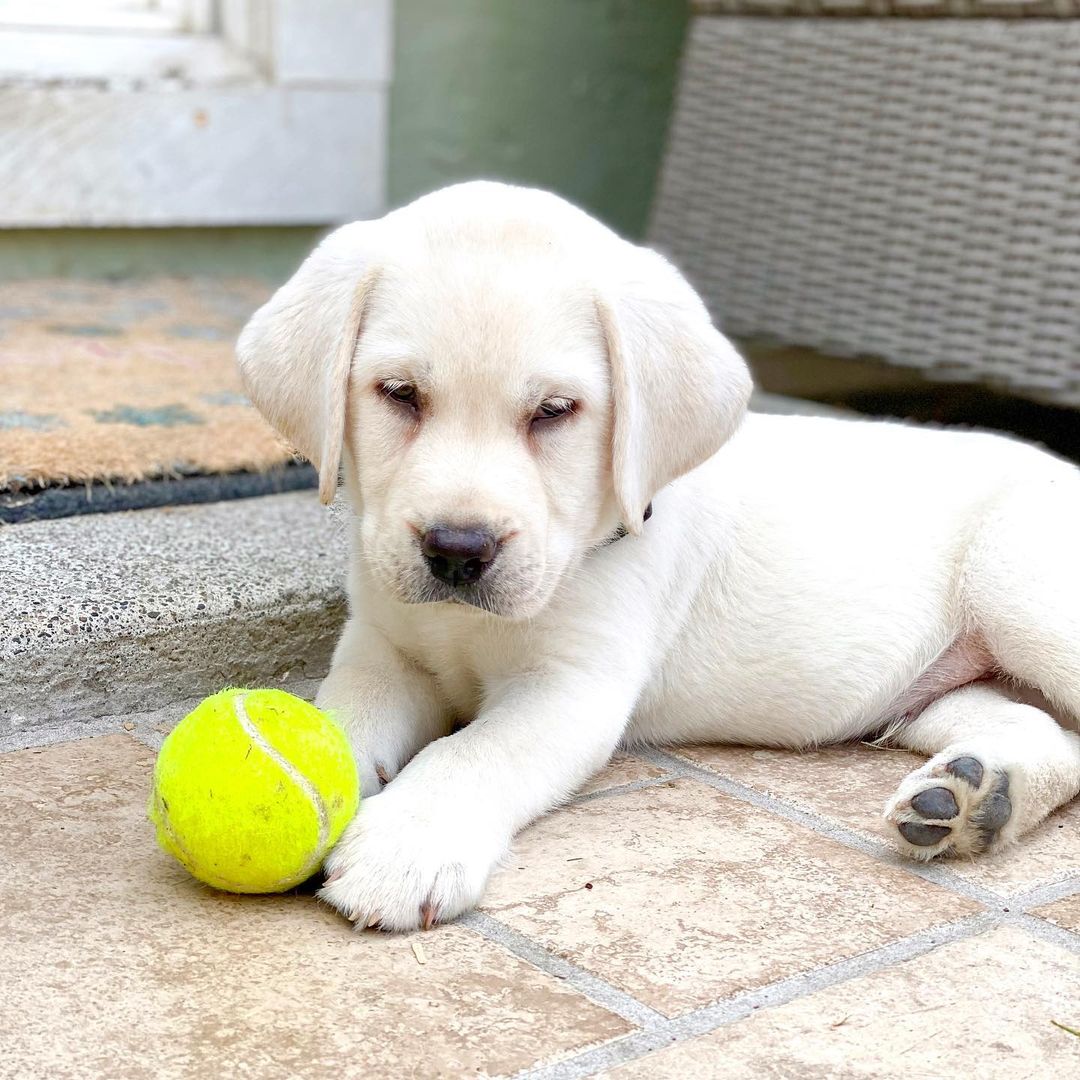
[[571, 95]]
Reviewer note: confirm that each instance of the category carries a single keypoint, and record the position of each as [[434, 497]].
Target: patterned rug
[[119, 383]]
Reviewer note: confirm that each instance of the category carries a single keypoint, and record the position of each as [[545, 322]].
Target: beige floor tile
[[622, 769], [1064, 913], [115, 963], [976, 1008], [681, 895], [849, 786]]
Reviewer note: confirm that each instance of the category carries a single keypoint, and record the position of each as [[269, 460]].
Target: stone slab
[[682, 896], [117, 964], [987, 1006], [849, 785]]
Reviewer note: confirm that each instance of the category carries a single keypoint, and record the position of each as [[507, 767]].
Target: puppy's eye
[[552, 409], [402, 392]]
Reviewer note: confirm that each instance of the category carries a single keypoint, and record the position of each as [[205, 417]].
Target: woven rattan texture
[[950, 9], [909, 191]]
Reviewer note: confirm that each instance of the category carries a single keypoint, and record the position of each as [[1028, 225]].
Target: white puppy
[[507, 387]]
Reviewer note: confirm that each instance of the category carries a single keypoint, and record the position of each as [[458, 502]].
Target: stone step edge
[[124, 613], [78, 683]]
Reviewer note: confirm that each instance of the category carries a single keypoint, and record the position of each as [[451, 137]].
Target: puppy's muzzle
[[458, 556]]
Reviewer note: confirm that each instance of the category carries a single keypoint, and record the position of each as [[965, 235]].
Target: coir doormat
[[117, 395]]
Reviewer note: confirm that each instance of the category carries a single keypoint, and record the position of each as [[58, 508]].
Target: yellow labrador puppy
[[566, 536]]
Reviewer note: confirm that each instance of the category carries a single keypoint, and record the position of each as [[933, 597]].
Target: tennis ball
[[252, 789]]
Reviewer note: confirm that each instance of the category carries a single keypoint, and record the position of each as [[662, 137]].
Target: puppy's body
[[804, 581], [786, 592], [835, 575]]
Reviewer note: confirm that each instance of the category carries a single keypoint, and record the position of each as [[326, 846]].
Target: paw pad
[[937, 803], [967, 768], [962, 810], [920, 835], [995, 811]]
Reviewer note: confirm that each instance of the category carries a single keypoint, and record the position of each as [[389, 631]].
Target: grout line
[[1045, 930], [594, 988], [944, 877], [148, 737], [600, 1058], [878, 849], [711, 1017], [1046, 894], [145, 723], [623, 789], [804, 983], [36, 738]]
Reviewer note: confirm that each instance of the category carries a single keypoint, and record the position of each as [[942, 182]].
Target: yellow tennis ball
[[252, 789]]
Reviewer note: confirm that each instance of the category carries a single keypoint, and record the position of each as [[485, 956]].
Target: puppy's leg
[[422, 852], [998, 768], [388, 707], [1021, 584]]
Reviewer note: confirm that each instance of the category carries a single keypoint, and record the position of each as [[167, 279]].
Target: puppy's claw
[[380, 772], [333, 876], [374, 921], [427, 915]]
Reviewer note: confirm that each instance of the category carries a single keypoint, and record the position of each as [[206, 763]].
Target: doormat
[[115, 395]]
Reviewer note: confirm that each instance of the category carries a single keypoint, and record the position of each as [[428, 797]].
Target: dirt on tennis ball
[[252, 789]]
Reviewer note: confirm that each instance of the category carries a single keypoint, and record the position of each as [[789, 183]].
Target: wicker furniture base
[[898, 188]]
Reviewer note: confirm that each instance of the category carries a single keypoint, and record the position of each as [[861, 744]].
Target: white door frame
[[276, 116]]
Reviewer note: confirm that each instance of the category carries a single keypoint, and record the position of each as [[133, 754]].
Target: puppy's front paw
[[403, 864]]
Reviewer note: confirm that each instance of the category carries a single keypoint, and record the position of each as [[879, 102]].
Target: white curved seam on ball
[[295, 775]]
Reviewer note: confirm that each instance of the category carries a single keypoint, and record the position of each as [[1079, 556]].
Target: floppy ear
[[296, 352], [679, 387]]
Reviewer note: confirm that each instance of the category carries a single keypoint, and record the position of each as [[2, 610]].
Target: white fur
[[797, 577]]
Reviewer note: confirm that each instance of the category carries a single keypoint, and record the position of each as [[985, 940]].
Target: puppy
[[566, 536]]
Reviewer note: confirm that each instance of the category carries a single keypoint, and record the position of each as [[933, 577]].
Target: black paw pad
[[968, 769], [995, 811], [936, 803], [920, 835]]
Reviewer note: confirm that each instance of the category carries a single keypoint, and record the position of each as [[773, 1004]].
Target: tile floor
[[702, 913]]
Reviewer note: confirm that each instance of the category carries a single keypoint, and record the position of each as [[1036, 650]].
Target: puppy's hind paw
[[953, 805]]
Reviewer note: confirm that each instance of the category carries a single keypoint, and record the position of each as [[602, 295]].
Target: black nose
[[458, 556]]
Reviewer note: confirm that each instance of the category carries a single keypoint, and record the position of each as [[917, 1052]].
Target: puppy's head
[[504, 382]]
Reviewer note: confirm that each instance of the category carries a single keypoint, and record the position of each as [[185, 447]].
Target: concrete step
[[129, 613]]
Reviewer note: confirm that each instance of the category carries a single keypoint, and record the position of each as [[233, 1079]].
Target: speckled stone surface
[[118, 613]]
